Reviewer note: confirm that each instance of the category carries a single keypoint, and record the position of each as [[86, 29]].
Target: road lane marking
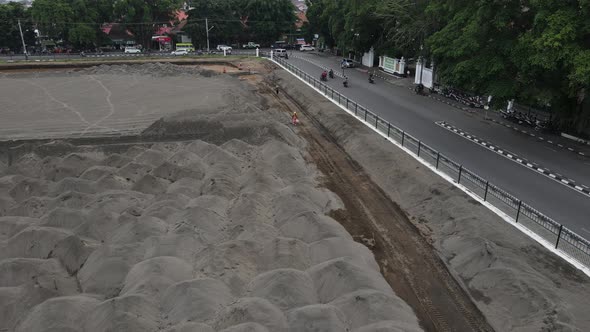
[[580, 188]]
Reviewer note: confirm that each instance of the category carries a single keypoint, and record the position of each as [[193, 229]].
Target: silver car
[[347, 63]]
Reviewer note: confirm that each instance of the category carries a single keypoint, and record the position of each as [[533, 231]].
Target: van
[[281, 52], [132, 50]]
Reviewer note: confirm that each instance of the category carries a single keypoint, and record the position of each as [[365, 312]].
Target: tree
[[222, 19], [317, 22], [268, 19], [74, 21], [142, 16], [406, 24], [9, 32], [52, 17]]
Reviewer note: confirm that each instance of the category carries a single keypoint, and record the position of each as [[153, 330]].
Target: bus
[[185, 46]]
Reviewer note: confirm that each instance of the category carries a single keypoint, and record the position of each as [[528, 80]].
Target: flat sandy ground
[[99, 101]]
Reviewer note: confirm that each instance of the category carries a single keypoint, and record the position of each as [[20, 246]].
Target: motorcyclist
[[331, 73], [371, 78], [345, 83], [324, 75]]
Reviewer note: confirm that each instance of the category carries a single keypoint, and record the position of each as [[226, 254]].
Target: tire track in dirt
[[407, 260]]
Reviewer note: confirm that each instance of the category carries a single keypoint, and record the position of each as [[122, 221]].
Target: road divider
[[519, 160]]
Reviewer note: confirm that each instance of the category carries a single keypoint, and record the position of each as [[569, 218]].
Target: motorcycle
[[324, 77], [331, 73], [371, 79], [345, 83], [419, 89]]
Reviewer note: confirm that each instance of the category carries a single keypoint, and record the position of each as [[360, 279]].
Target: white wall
[[368, 58]]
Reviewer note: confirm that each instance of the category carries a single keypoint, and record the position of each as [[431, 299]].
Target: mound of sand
[[235, 239], [224, 234]]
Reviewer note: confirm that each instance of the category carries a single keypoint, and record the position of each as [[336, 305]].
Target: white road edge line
[[498, 212]]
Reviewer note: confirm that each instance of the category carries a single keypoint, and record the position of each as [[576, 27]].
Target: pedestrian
[[294, 119], [277, 89]]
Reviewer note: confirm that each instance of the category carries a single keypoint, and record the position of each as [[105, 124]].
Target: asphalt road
[[417, 115]]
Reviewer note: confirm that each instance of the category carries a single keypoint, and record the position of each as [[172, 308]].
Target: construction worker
[[294, 119]]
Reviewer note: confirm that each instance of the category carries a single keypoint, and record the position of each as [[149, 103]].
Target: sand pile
[[189, 236], [162, 69]]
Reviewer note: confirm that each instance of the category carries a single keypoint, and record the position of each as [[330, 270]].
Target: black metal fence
[[564, 239]]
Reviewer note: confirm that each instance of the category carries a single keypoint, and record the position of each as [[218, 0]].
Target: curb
[[555, 176]]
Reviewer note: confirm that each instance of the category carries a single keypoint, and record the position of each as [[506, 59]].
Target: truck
[[251, 45]]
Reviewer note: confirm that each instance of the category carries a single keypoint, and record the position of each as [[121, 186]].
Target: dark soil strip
[[408, 262]]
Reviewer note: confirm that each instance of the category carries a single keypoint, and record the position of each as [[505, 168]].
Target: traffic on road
[[393, 99]]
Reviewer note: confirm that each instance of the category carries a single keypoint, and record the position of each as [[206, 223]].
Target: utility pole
[[207, 28], [23, 40]]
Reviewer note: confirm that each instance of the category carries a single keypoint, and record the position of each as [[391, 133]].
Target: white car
[[307, 48], [347, 63], [281, 52], [179, 52], [132, 50], [225, 48]]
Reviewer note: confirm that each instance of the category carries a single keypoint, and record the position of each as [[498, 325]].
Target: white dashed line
[[556, 177]]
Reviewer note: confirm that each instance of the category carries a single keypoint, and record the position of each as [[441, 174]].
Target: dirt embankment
[[401, 207]]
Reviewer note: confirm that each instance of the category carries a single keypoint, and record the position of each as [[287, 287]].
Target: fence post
[[558, 236], [388, 128], [346, 103], [365, 115], [437, 158], [356, 105], [485, 195], [332, 93], [403, 137], [518, 212], [419, 147], [460, 171], [339, 98], [376, 121]]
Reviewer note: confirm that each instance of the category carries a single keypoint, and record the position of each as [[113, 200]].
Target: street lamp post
[[207, 28], [23, 40]]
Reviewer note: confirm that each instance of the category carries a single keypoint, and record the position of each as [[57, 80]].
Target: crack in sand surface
[[109, 102]]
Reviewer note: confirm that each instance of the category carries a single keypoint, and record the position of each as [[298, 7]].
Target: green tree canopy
[[240, 21], [9, 32], [142, 16]]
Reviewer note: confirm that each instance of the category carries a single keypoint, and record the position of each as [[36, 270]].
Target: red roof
[[181, 15], [301, 18]]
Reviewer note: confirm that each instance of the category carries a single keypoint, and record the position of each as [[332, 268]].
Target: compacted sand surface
[[229, 232]]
